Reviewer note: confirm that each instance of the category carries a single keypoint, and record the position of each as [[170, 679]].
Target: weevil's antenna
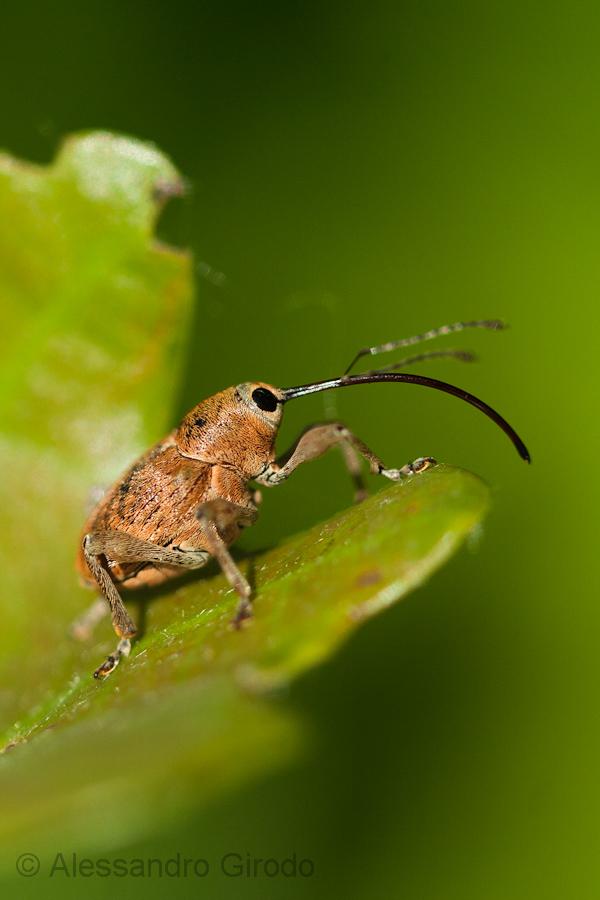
[[410, 378], [462, 355], [493, 324]]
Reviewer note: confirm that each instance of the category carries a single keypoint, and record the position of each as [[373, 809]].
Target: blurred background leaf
[[356, 176]]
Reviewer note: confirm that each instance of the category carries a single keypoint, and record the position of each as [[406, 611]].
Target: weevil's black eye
[[264, 399]]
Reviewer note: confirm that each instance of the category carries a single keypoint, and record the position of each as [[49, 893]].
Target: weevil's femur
[[410, 378]]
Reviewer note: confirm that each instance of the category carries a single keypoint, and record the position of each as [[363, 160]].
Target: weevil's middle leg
[[217, 516]]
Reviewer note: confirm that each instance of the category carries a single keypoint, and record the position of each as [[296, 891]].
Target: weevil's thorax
[[231, 429]]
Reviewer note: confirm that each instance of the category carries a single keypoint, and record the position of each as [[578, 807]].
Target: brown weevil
[[187, 499]]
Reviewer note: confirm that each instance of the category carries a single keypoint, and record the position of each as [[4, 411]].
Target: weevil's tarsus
[[493, 324], [461, 355], [413, 468], [111, 662], [421, 464], [410, 378]]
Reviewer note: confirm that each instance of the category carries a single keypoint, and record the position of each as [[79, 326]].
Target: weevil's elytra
[[188, 497]]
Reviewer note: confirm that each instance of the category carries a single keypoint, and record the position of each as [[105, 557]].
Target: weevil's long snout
[[410, 378]]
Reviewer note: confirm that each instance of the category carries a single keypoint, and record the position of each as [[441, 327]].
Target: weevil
[[187, 499]]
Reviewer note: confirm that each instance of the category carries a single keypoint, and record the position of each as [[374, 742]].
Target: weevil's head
[[236, 427], [261, 400]]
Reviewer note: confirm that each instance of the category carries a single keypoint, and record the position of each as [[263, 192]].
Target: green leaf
[[93, 346], [95, 314]]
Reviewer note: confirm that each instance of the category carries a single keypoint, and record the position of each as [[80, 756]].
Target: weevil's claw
[[243, 613], [106, 668], [414, 468], [112, 661], [419, 465]]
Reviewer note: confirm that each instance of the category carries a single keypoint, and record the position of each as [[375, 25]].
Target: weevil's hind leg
[[126, 548], [94, 557], [217, 516], [82, 627], [121, 620]]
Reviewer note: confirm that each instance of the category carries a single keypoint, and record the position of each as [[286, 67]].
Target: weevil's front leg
[[318, 439], [97, 546], [217, 517]]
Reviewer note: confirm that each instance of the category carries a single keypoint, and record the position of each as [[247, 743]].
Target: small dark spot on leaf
[[371, 576], [411, 509]]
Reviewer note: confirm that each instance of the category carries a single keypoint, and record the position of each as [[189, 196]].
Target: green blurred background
[[359, 173]]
